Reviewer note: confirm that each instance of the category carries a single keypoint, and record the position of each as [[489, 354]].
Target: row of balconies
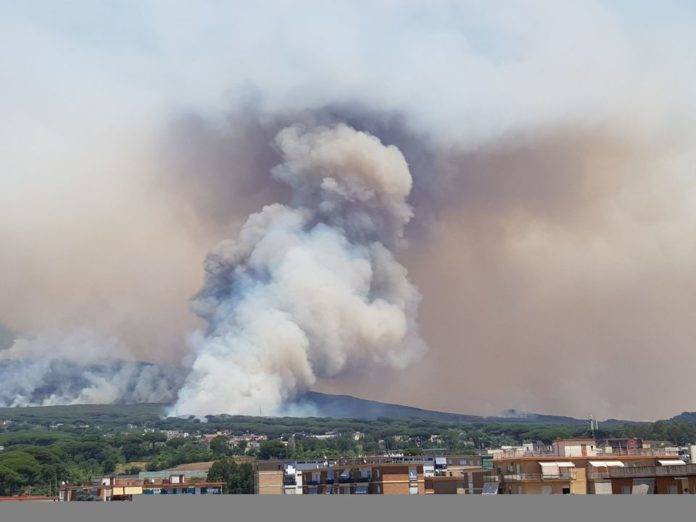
[[644, 471], [290, 480], [597, 452], [614, 472], [521, 477]]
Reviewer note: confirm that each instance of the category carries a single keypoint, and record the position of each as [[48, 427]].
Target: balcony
[[653, 471], [598, 452], [643, 472], [536, 477]]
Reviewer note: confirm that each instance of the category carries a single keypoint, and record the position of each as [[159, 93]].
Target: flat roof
[[587, 457]]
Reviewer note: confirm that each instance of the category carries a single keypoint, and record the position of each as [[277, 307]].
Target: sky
[[551, 147]]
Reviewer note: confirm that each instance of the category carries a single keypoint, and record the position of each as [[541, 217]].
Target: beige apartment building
[[578, 467], [340, 477]]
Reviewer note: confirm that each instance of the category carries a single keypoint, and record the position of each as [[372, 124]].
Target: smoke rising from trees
[[308, 290]]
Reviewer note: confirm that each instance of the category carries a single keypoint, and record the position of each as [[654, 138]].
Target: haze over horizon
[[550, 174]]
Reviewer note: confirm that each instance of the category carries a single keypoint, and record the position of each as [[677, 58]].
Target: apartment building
[[370, 475], [380, 475], [579, 467]]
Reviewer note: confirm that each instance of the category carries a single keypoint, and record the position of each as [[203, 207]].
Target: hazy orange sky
[[554, 230]]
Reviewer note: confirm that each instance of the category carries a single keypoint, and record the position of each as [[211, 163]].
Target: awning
[[606, 463], [602, 488], [549, 469], [552, 469], [672, 462]]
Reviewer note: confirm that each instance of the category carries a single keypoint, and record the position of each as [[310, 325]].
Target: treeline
[[238, 477], [38, 462]]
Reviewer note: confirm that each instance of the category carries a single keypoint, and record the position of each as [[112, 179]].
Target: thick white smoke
[[310, 290], [80, 368]]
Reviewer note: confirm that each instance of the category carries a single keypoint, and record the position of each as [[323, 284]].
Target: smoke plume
[[80, 368], [309, 289]]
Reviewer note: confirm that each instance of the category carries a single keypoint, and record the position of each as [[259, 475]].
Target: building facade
[[578, 467], [398, 475], [125, 488]]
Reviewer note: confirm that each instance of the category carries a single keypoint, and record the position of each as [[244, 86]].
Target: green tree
[[9, 480], [238, 478], [220, 446], [273, 449]]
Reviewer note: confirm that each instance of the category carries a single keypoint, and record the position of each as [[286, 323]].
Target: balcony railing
[[653, 471], [522, 477], [643, 452]]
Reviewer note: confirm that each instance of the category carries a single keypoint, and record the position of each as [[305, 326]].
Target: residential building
[[370, 475], [620, 444], [577, 466], [124, 488]]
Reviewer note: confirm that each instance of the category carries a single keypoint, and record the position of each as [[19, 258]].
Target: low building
[[27, 498], [125, 488], [620, 444]]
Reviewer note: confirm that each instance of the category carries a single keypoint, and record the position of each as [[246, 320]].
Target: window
[[566, 491], [413, 490], [412, 473]]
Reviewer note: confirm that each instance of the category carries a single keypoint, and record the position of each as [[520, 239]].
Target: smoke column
[[308, 290], [80, 368]]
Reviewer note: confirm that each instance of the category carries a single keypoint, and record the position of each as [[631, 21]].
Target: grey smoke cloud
[[308, 290]]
